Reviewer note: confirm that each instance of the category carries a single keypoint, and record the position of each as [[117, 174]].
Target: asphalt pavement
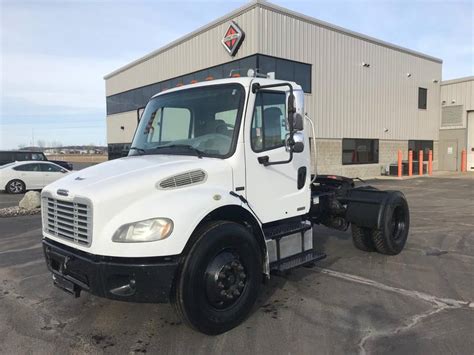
[[418, 302]]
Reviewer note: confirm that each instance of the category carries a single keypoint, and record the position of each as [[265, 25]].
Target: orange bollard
[[463, 161], [399, 163], [420, 162], [430, 162], [410, 162]]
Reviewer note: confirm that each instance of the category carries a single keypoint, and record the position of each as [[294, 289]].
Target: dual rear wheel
[[392, 235]]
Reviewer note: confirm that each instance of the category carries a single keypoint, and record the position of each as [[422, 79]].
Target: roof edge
[[276, 8], [345, 31], [458, 80]]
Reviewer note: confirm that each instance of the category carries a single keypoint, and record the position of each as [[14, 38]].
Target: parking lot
[[351, 302]]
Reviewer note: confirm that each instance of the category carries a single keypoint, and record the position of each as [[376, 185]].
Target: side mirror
[[64, 171], [295, 142], [297, 122], [298, 147], [298, 142]]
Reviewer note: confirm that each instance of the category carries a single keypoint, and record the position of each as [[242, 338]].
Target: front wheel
[[15, 186], [219, 279]]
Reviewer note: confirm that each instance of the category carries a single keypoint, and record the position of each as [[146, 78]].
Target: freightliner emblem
[[233, 38]]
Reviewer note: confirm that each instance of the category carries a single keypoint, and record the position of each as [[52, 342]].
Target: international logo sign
[[233, 38]]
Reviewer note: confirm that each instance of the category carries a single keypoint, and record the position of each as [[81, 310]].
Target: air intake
[[192, 177]]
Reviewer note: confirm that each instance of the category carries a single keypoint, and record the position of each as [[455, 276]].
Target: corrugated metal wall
[[199, 52], [349, 100], [458, 93]]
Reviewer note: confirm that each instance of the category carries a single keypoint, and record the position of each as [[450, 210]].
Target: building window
[[268, 124], [284, 69], [417, 145], [360, 151], [422, 98]]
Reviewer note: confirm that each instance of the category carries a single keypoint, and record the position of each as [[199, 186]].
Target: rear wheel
[[15, 186], [362, 238], [391, 238], [219, 279]]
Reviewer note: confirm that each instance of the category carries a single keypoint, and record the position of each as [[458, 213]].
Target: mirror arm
[[264, 160]]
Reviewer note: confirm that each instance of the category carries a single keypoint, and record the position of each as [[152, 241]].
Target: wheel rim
[[226, 279], [16, 186], [398, 222]]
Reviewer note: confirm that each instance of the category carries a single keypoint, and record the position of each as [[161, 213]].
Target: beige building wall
[[457, 100], [347, 100]]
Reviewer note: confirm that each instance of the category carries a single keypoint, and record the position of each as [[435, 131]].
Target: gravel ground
[[418, 302]]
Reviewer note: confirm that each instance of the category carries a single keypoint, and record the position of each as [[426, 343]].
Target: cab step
[[297, 260], [281, 230]]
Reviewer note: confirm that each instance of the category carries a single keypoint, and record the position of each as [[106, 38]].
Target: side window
[[50, 168], [6, 156], [28, 167], [175, 124], [37, 156], [20, 156], [268, 130]]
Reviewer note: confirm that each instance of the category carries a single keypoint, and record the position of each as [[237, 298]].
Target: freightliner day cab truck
[[215, 194]]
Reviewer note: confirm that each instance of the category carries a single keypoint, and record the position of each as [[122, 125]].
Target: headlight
[[149, 230]]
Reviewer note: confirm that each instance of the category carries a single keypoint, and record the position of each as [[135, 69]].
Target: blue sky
[[54, 54]]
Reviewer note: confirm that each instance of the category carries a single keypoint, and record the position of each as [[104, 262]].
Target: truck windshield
[[201, 121]]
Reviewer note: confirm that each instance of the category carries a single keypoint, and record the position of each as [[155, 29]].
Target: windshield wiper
[[139, 150], [198, 152]]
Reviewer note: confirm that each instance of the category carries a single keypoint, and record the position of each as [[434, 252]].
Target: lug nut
[[236, 292], [222, 275], [242, 275], [220, 285], [240, 268], [241, 284]]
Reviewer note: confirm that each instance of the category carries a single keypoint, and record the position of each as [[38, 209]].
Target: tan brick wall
[[329, 158]]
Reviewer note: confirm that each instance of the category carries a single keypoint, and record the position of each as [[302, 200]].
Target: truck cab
[[216, 192]]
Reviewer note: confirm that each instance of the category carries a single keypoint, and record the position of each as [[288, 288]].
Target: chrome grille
[[70, 220], [188, 178]]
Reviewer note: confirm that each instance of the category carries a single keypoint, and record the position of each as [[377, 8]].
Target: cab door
[[278, 191]]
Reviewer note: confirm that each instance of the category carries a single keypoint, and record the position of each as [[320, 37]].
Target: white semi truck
[[215, 194]]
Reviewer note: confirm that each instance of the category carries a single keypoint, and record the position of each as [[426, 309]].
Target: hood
[[133, 174]]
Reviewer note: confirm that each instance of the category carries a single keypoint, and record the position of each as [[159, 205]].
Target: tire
[[15, 186], [219, 279], [392, 237], [362, 238]]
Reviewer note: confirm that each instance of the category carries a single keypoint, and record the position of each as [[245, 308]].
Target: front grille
[[70, 220]]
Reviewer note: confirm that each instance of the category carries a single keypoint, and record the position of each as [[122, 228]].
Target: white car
[[18, 177]]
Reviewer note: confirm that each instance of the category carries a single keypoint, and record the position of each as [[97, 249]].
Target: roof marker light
[[210, 78]]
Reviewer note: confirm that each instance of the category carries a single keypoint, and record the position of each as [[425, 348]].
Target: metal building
[[368, 98], [457, 123]]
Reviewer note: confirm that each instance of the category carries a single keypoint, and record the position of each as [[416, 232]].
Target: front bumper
[[126, 279]]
